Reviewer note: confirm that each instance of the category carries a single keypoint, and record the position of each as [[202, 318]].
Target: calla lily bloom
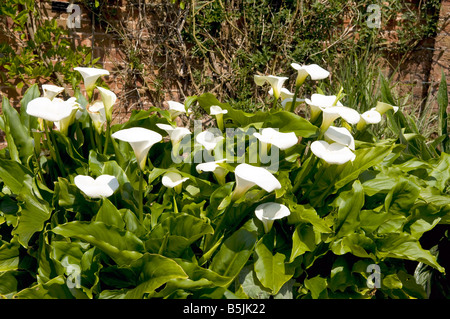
[[248, 176], [330, 114], [334, 153], [281, 140], [384, 107], [218, 171], [313, 70], [275, 81], [50, 91], [340, 135], [319, 102], [49, 110], [208, 140], [269, 212], [173, 180], [90, 76], [108, 99], [140, 139], [63, 124], [176, 108], [369, 117], [102, 186], [176, 135], [97, 113], [218, 112]]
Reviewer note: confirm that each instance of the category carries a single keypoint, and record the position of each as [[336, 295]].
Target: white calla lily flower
[[319, 102], [208, 140], [90, 76], [218, 112], [109, 98], [330, 114], [248, 176], [173, 180], [313, 70], [176, 134], [369, 117], [334, 153], [384, 107], [49, 110], [50, 91], [102, 186], [218, 171], [176, 108], [140, 139], [281, 140], [269, 212], [340, 135], [98, 116], [276, 82], [63, 124]]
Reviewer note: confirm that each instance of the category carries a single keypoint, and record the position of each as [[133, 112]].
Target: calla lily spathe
[[140, 139], [267, 213], [218, 112], [63, 124], [102, 186], [369, 117], [109, 98], [281, 140], [173, 180], [319, 102], [333, 153], [313, 70], [176, 109], [340, 135], [50, 110], [90, 76], [176, 134], [208, 140], [50, 91], [383, 107], [330, 114], [248, 176], [98, 116], [218, 171], [276, 82]]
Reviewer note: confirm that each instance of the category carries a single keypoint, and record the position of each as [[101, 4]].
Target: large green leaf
[[154, 271], [9, 256], [234, 253], [404, 246], [442, 99], [122, 246], [303, 240], [349, 205], [17, 134], [271, 269], [13, 174], [439, 176]]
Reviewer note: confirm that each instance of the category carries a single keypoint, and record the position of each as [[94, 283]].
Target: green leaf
[[234, 253], [9, 256], [153, 272], [17, 134], [122, 246], [13, 174], [349, 205], [109, 214], [317, 286], [271, 269], [402, 196], [303, 240], [404, 246], [183, 225], [289, 122], [439, 177], [29, 121]]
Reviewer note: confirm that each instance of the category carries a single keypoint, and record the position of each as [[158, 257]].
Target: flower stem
[[107, 136], [294, 99], [141, 197], [54, 148]]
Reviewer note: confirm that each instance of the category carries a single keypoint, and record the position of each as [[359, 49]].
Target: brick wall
[[419, 74]]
